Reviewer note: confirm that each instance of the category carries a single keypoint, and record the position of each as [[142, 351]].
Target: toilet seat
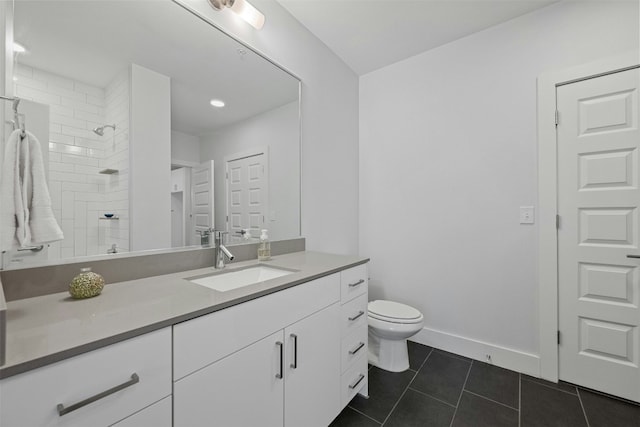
[[394, 312]]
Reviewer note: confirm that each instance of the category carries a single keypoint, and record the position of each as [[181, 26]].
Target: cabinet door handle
[[62, 410], [628, 256], [357, 316], [358, 381], [359, 282], [294, 365], [279, 344], [357, 349]]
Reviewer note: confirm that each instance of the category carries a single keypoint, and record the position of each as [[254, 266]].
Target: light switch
[[527, 214]]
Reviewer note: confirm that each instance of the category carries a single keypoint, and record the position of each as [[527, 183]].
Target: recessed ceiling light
[[217, 103], [18, 48]]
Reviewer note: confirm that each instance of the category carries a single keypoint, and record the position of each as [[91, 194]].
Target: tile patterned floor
[[444, 389]]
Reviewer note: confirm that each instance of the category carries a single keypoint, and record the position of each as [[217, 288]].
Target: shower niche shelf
[[108, 171]]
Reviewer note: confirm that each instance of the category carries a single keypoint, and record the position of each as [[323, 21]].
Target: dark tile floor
[[444, 389]]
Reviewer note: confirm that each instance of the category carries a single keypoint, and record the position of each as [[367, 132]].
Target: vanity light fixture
[[217, 103], [242, 8]]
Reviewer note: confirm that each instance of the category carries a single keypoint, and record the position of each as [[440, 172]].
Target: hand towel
[[9, 191], [27, 217], [41, 221]]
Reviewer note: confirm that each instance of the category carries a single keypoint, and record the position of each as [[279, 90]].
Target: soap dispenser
[[264, 248]]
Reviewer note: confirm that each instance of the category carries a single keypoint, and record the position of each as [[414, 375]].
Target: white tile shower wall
[[78, 191]]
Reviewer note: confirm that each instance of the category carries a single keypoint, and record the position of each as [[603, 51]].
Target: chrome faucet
[[221, 250]]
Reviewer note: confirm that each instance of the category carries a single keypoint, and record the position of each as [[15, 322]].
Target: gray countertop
[[50, 328]]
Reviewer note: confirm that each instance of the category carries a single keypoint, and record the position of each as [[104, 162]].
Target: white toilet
[[390, 324]]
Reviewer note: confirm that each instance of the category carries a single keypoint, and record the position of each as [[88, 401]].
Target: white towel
[[27, 217], [9, 191]]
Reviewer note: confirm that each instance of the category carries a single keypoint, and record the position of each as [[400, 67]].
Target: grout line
[[461, 391], [552, 388], [362, 413], [608, 396], [519, 400], [425, 360], [490, 400], [582, 406], [432, 397], [402, 395]]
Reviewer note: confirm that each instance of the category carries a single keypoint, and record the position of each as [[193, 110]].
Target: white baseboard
[[514, 360]]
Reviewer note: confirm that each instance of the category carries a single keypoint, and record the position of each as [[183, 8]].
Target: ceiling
[[371, 34], [94, 41]]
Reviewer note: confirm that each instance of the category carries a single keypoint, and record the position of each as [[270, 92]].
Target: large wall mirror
[[120, 94]]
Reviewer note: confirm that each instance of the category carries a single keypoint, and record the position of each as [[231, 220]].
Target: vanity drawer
[[156, 415], [207, 339], [141, 366], [353, 315], [353, 347], [353, 282], [354, 380]]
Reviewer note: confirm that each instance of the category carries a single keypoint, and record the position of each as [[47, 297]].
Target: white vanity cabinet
[[98, 388], [354, 287], [156, 415], [278, 363]]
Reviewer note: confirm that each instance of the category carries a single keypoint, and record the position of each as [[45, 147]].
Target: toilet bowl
[[390, 324]]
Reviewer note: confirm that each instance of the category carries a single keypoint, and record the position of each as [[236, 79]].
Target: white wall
[[329, 121], [185, 148], [278, 130], [447, 156], [150, 151]]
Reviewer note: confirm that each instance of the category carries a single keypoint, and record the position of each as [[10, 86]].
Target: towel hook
[[17, 123]]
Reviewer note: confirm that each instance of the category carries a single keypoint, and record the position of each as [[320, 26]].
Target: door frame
[[548, 196]]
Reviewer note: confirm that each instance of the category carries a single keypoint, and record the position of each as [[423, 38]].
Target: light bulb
[[18, 48], [250, 14]]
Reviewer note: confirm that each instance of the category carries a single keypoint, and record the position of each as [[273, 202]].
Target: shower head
[[100, 130]]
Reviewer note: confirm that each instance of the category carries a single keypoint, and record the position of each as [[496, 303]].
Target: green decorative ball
[[86, 285]]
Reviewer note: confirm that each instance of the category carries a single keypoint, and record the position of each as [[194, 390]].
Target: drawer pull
[[62, 410], [357, 316], [279, 344], [294, 365], [628, 256], [358, 381], [359, 282], [357, 349]]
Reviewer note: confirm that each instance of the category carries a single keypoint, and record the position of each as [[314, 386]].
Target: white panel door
[[312, 379], [202, 197], [244, 389], [247, 194], [598, 198]]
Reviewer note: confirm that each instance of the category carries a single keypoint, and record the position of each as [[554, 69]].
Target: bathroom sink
[[233, 279]]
